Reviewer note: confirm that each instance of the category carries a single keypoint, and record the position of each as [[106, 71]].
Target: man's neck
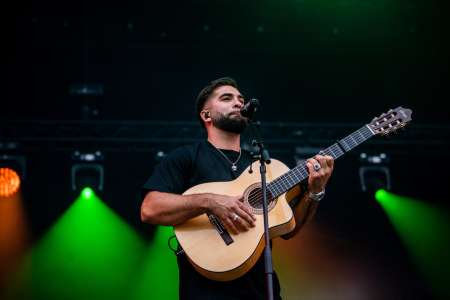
[[224, 139]]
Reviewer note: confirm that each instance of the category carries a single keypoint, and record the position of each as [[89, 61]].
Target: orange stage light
[[9, 182]]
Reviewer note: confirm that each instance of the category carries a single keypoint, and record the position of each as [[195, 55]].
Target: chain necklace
[[233, 164]]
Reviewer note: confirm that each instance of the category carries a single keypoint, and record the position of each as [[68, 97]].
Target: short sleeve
[[172, 174]]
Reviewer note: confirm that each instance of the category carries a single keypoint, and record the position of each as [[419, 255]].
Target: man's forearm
[[172, 209]]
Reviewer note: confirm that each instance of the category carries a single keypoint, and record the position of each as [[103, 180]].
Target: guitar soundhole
[[254, 199]]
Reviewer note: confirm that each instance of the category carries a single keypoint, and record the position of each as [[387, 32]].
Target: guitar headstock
[[391, 121]]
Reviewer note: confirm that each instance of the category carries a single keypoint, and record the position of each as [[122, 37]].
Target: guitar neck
[[290, 179]]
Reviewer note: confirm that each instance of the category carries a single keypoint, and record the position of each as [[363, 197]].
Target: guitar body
[[205, 247]]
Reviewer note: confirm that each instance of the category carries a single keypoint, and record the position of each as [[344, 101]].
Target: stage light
[[9, 182], [374, 173], [87, 173], [87, 193], [424, 229], [382, 195], [12, 173], [160, 155]]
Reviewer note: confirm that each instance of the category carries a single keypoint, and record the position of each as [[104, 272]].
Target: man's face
[[224, 106]]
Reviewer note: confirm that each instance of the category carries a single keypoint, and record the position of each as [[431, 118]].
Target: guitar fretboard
[[288, 180]]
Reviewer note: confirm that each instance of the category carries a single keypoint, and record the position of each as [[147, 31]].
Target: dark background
[[307, 61], [314, 65]]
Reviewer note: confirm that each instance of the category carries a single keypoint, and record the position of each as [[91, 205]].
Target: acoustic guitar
[[221, 255]]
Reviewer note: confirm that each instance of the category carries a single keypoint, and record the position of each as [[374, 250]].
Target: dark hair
[[207, 91]]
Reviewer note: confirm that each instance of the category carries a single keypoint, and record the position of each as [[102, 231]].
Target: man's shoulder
[[186, 151]]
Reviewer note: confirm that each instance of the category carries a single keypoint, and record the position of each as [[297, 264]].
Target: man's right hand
[[232, 211]]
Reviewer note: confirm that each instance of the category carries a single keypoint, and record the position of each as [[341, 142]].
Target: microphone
[[250, 108]]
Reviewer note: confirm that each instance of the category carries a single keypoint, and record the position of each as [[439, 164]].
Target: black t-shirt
[[191, 165]]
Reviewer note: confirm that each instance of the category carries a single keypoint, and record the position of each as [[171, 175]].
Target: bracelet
[[317, 196]]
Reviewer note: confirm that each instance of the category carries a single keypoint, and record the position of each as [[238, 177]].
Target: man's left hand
[[320, 168]]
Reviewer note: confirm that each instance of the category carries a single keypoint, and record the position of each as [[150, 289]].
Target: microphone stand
[[264, 159]]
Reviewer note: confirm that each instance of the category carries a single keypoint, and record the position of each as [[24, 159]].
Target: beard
[[230, 124]]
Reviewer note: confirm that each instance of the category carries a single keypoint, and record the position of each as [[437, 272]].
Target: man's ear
[[206, 115]]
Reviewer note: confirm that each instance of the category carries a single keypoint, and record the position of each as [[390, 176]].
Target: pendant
[[233, 167]]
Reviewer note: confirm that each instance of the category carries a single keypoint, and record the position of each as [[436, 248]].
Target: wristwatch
[[317, 196]]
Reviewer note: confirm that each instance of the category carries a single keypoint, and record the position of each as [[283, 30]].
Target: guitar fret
[[329, 151], [361, 133], [286, 182], [272, 187], [296, 177], [355, 142], [368, 131], [338, 151], [344, 145], [278, 188], [333, 154], [352, 144], [363, 138], [357, 139], [288, 179]]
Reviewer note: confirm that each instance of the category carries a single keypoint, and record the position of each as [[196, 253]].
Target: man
[[219, 158]]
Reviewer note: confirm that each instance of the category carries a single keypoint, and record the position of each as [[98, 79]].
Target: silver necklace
[[233, 164]]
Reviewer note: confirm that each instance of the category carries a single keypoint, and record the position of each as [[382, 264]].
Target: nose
[[238, 103]]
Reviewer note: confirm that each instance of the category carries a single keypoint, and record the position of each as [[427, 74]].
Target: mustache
[[238, 112]]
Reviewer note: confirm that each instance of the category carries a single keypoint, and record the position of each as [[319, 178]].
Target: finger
[[330, 161], [241, 224], [246, 217], [240, 198], [325, 168], [313, 162], [230, 226], [239, 221], [318, 157], [314, 176], [248, 211], [309, 164], [322, 161]]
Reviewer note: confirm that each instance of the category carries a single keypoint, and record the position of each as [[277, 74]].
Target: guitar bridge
[[224, 234]]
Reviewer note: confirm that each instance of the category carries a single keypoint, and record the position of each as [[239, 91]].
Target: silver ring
[[235, 217], [317, 167]]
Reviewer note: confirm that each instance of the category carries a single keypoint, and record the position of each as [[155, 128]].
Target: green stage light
[[382, 195], [159, 277], [87, 193], [89, 253], [425, 232], [87, 171]]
